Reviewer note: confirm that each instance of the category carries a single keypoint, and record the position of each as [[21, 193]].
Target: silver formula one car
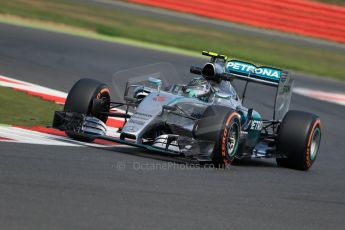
[[203, 120]]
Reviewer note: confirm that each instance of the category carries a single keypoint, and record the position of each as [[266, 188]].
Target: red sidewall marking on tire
[[224, 137], [307, 156]]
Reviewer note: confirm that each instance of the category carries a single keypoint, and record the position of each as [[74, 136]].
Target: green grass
[[18, 108], [147, 28], [335, 2]]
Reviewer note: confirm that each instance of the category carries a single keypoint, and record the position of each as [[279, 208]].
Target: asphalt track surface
[[49, 187]]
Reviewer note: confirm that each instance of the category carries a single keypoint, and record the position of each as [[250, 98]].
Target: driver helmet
[[198, 87]]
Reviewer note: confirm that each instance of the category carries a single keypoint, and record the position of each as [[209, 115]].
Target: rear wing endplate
[[283, 96]]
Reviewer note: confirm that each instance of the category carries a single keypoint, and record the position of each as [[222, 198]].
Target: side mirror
[[195, 70]]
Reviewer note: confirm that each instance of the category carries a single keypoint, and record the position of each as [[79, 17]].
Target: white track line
[[35, 137], [32, 137], [31, 87], [337, 98], [21, 135]]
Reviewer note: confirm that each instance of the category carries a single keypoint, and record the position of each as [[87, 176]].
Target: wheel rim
[[232, 139], [103, 96], [315, 143]]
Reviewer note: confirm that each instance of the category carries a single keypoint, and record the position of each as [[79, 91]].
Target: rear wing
[[223, 68], [268, 76], [249, 72]]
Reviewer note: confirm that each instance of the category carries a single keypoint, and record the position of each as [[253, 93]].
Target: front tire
[[80, 100], [299, 139], [223, 127]]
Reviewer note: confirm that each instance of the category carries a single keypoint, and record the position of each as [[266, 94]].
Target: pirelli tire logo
[[103, 92], [225, 134], [233, 117]]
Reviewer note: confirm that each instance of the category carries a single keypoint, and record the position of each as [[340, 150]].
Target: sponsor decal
[[247, 68], [225, 132], [141, 116], [136, 122], [159, 98], [256, 125]]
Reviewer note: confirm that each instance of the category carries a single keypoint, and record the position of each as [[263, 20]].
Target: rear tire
[[221, 125], [80, 99], [299, 139]]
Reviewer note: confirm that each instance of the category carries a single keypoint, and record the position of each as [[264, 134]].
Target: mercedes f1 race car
[[203, 120]]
